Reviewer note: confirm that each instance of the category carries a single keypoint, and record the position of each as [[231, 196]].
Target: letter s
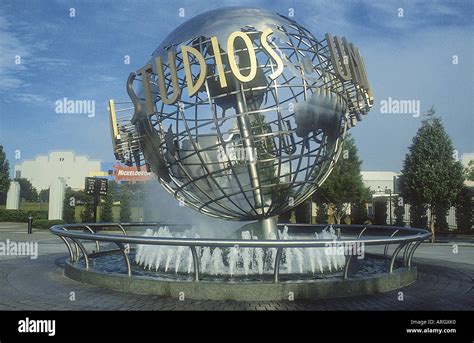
[[266, 46]]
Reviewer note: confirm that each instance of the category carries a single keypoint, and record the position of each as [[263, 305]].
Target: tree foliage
[[125, 210], [106, 214], [465, 209], [44, 195], [469, 171], [116, 192], [322, 214], [380, 211], [398, 211], [344, 185], [27, 191], [303, 212], [359, 213], [430, 177], [4, 172], [71, 200]]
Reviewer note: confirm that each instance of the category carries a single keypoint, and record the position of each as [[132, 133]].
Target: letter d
[[193, 88]]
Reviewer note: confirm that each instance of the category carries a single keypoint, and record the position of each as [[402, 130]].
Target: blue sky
[[82, 57]]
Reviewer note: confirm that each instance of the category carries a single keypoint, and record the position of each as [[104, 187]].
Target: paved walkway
[[445, 282]]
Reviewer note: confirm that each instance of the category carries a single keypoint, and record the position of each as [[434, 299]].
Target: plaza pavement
[[445, 282]]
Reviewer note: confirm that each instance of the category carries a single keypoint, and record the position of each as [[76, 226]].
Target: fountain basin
[[246, 290], [119, 269]]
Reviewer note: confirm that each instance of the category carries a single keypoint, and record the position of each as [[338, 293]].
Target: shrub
[[21, 215], [359, 213], [45, 224], [380, 211], [465, 210]]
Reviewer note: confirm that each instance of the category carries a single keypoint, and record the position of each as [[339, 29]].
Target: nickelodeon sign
[[131, 174]]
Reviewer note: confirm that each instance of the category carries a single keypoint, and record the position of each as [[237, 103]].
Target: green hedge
[[45, 224], [21, 215]]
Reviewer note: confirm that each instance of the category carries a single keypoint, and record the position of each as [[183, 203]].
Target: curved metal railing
[[404, 237]]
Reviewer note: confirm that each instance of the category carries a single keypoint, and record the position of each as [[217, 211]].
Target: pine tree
[[431, 177], [399, 211], [106, 214]]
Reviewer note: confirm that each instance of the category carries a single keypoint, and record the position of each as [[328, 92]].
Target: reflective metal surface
[[251, 131]]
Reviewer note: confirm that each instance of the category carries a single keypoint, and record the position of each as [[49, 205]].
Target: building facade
[[379, 181], [385, 184], [44, 170]]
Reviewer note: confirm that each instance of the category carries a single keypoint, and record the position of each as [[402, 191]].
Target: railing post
[[346, 266], [394, 256], [123, 230], [385, 249], [84, 252], [97, 247], [276, 273], [412, 252], [71, 256], [76, 249], [405, 253], [360, 234], [127, 260], [195, 262]]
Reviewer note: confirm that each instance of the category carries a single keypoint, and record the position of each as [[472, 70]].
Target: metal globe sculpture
[[241, 113]]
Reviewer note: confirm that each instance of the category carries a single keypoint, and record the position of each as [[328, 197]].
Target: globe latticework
[[250, 150]]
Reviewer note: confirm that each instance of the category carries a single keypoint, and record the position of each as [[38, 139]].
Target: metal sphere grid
[[297, 165]]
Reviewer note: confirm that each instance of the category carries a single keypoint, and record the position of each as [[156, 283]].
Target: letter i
[[218, 59]]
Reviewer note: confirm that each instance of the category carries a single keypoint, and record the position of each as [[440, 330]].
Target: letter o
[[230, 54]]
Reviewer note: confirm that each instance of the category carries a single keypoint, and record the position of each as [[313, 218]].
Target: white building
[[44, 170], [465, 159], [379, 180]]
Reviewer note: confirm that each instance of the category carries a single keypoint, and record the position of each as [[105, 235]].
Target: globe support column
[[268, 228]]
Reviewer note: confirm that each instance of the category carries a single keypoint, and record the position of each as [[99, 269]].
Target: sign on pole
[[102, 186], [90, 186], [96, 187]]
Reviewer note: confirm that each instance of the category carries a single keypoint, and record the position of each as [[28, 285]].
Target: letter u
[[174, 79]]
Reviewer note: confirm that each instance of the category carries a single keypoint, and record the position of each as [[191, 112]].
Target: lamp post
[[30, 224]]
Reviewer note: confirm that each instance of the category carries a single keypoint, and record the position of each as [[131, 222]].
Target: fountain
[[241, 114], [236, 260]]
